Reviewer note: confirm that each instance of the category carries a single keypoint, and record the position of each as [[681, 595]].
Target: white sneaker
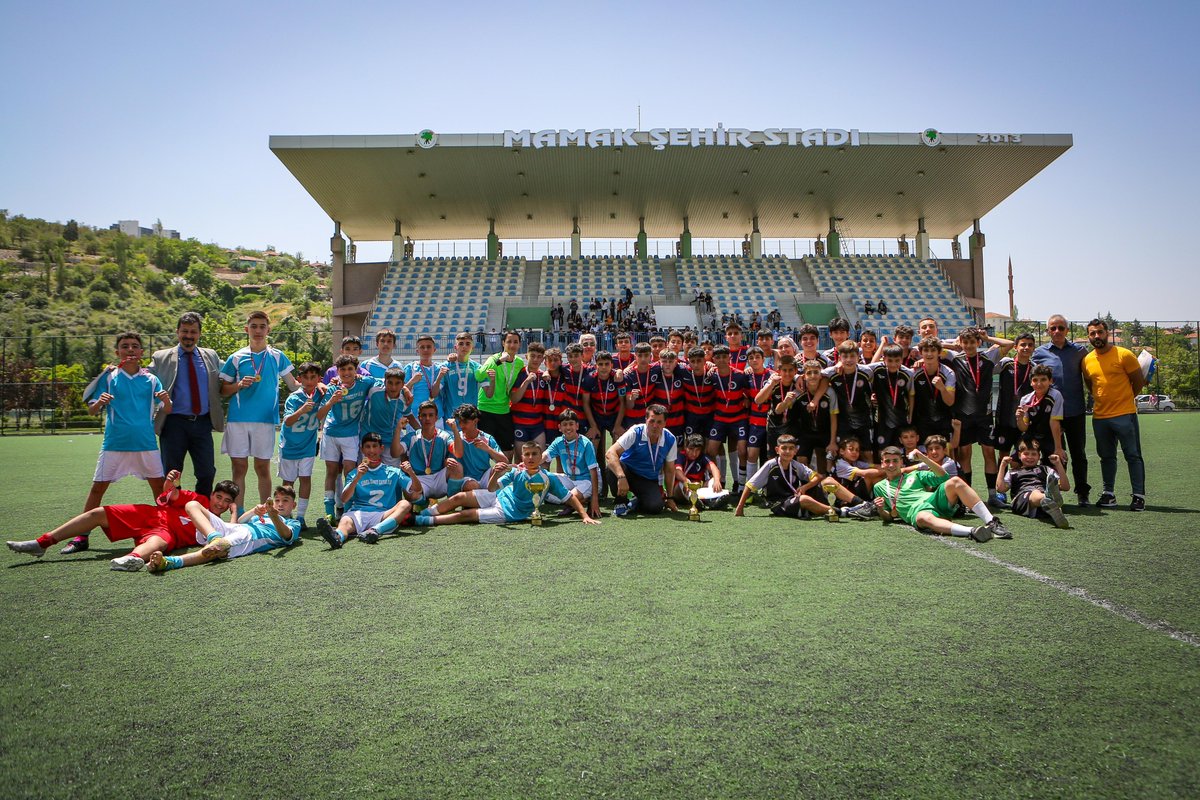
[[31, 547], [129, 563]]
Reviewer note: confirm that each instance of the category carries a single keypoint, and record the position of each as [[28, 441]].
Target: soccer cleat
[[1053, 509], [566, 512], [1082, 499], [327, 532], [1053, 494], [76, 545], [1137, 504], [156, 562], [998, 529], [30, 547], [424, 520], [129, 563], [981, 534], [861, 511], [620, 510], [1107, 500], [369, 536], [303, 525], [994, 502]]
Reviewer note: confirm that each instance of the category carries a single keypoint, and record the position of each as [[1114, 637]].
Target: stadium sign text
[[661, 138]]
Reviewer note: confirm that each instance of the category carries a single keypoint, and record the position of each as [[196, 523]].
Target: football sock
[[980, 510], [966, 476], [45, 540], [959, 530], [172, 562], [328, 503], [387, 526], [734, 472], [990, 477], [301, 507], [751, 468], [721, 467]]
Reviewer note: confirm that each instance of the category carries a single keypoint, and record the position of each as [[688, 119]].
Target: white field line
[[1124, 612]]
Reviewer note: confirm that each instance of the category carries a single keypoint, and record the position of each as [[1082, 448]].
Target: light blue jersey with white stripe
[[378, 490], [129, 418], [515, 498], [258, 402]]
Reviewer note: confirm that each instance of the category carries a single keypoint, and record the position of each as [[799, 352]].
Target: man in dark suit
[[188, 429]]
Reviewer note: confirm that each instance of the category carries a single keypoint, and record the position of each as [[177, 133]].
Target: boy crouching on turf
[[926, 499], [264, 527], [508, 497], [1036, 488], [694, 466], [577, 466], [377, 497], [792, 489]]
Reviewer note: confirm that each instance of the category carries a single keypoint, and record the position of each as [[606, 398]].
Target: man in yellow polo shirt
[[1114, 377]]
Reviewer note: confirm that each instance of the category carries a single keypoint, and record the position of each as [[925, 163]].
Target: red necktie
[[193, 383]]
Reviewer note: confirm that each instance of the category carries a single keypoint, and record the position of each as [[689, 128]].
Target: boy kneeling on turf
[[1036, 489], [262, 528], [792, 489], [508, 497], [926, 499], [377, 497]]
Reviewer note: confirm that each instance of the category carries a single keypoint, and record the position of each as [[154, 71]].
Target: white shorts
[[339, 448], [391, 460], [112, 465], [239, 539], [249, 440], [484, 479], [489, 509], [433, 485], [292, 468], [583, 487], [363, 519]]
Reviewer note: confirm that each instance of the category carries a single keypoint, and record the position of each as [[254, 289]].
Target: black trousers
[[184, 435], [647, 491], [1075, 433]]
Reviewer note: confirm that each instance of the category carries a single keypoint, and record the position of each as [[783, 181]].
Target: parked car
[[1154, 402]]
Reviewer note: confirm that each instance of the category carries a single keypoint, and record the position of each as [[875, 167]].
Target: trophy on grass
[[694, 511], [831, 497], [537, 488]]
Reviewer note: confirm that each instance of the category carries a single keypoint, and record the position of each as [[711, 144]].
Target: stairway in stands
[[533, 280]]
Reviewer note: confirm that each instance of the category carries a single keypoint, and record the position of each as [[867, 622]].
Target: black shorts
[[886, 437], [1004, 439], [499, 426], [975, 431], [865, 440], [807, 444], [941, 427], [1022, 506], [697, 424]]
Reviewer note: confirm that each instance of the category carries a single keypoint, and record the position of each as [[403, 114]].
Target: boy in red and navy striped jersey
[[731, 415], [640, 389], [669, 378], [756, 434], [529, 398]]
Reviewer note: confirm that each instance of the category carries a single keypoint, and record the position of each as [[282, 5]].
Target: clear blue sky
[[162, 110]]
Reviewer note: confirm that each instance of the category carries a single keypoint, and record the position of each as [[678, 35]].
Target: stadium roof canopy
[[533, 183]]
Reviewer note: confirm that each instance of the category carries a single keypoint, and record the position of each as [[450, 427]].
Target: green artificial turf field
[[641, 658]]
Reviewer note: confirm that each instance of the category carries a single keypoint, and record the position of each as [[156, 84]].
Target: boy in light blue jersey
[[424, 378], [474, 450], [577, 466], [129, 397], [430, 452], [389, 408], [343, 426], [459, 385], [509, 497], [302, 420], [251, 377], [378, 365], [378, 497], [262, 528]]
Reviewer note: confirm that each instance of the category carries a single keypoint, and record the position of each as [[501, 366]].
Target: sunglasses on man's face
[[1057, 328]]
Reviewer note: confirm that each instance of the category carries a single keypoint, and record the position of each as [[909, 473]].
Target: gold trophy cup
[[831, 498], [694, 511], [537, 488]]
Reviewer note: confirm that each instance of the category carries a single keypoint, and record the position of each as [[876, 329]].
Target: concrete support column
[[493, 242], [639, 249], [337, 281], [922, 240], [975, 245], [576, 240], [685, 241], [755, 241], [833, 240], [397, 243], [902, 244]]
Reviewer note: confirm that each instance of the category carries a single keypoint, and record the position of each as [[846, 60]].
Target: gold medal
[[257, 378], [428, 470]]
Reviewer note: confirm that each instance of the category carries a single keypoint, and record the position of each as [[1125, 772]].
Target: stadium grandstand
[[826, 189]]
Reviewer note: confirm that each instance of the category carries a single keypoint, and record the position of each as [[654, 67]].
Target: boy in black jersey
[[1036, 488], [851, 383], [892, 386], [1040, 414], [934, 388], [1014, 376], [972, 408], [791, 489]]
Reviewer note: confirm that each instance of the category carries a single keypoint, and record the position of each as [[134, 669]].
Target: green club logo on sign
[[931, 136], [427, 139]]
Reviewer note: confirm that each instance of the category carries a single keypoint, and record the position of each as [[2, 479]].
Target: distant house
[[132, 229], [245, 263]]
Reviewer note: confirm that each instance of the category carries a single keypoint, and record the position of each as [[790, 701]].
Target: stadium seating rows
[[738, 285], [910, 287], [604, 276]]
